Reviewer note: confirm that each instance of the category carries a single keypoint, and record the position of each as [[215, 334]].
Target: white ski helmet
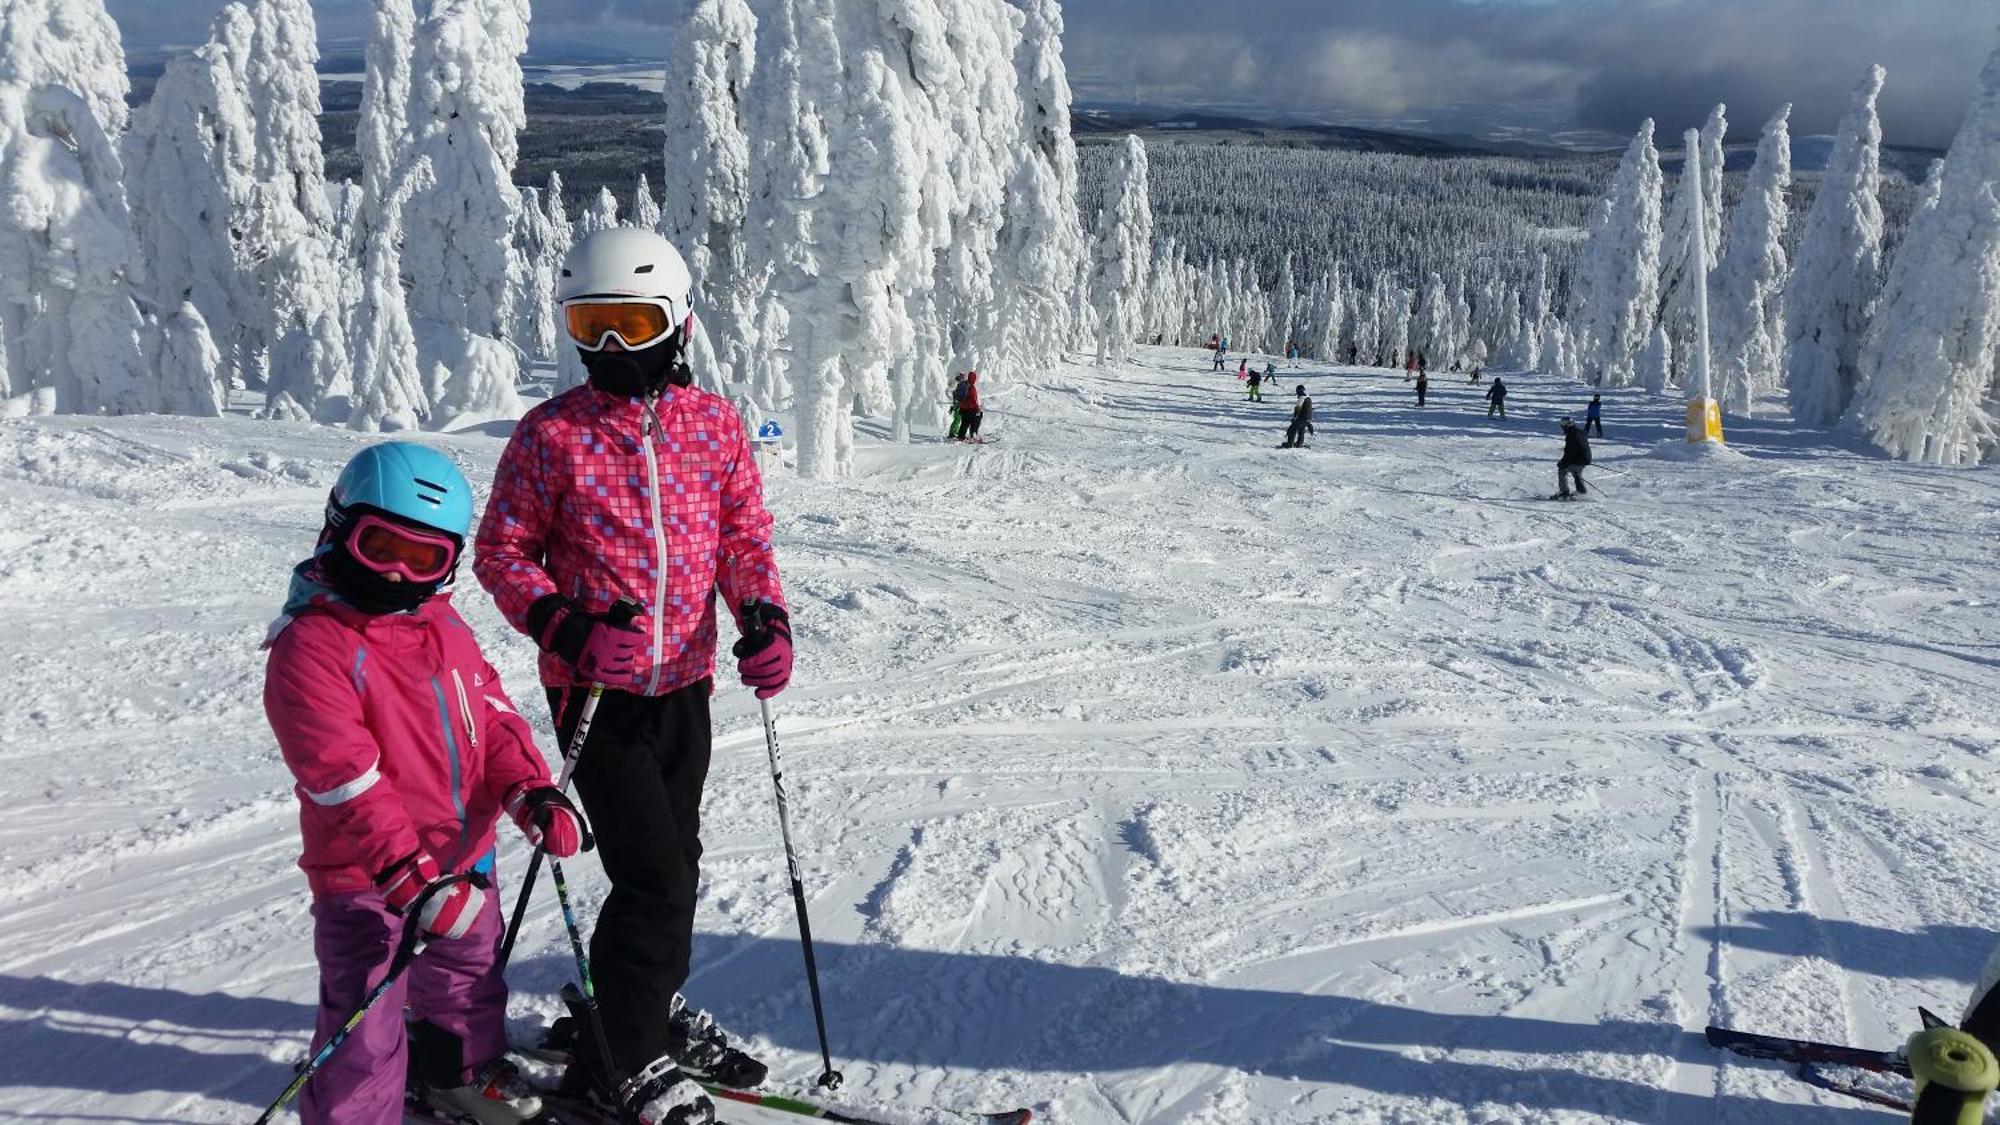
[[629, 264]]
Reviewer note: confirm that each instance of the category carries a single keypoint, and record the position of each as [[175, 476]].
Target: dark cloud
[[1593, 64]]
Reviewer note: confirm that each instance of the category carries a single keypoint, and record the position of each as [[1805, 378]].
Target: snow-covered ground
[[1143, 772]]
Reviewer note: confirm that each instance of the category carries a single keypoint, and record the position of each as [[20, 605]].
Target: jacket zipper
[[646, 428], [465, 709]]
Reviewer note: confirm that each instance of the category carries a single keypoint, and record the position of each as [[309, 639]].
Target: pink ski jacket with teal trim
[[397, 731], [600, 496]]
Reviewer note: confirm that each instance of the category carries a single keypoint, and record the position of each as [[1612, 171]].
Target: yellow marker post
[[1704, 414], [1954, 1073]]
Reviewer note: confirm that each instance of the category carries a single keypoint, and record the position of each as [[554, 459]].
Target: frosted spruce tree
[[1123, 251], [1430, 329], [706, 185], [1044, 230], [187, 365], [466, 113], [1618, 290], [1747, 287], [389, 390], [1835, 282], [69, 261], [188, 158], [645, 208], [1284, 309], [1929, 391]]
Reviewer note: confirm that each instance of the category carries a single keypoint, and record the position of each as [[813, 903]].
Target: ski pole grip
[[623, 612], [1954, 1073]]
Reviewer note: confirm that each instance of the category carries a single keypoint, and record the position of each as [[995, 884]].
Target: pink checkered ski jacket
[[600, 496]]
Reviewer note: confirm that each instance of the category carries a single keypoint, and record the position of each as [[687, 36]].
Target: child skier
[[1496, 398], [968, 409], [1423, 385], [406, 752], [1256, 382], [1593, 415], [1576, 455], [1302, 421], [955, 429]]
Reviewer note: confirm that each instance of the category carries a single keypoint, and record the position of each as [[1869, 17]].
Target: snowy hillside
[[1142, 771]]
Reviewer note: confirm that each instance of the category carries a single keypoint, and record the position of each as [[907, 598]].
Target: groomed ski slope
[[1143, 772]]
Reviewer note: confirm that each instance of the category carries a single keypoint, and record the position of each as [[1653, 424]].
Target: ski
[[1806, 1051], [1829, 1077], [802, 1105]]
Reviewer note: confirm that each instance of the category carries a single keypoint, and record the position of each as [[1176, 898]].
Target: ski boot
[[701, 1049], [662, 1094]]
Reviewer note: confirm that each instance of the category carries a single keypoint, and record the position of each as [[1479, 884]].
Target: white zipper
[[659, 543], [465, 709]]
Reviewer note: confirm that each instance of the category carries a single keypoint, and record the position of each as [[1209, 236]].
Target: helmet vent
[[647, 268]]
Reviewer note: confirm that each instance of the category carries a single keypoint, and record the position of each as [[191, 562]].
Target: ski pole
[[622, 613], [831, 1078], [407, 949], [602, 1040]]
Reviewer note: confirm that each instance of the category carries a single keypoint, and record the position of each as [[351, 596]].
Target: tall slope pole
[[1704, 414]]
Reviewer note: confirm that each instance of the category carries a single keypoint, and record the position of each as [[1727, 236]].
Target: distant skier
[[1270, 372], [1475, 375], [1292, 354], [1221, 349], [1593, 416], [1302, 421], [1576, 455], [1423, 363], [953, 431], [1353, 353], [400, 783], [1243, 368], [1423, 386], [1496, 398], [1256, 382], [1409, 364], [968, 409]]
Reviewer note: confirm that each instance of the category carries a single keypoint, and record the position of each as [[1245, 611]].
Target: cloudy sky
[[1597, 66]]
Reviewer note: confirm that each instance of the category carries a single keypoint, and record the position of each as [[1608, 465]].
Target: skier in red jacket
[[638, 484], [968, 408]]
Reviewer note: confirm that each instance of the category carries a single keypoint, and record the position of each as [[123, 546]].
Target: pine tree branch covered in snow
[[1929, 390], [1836, 276], [1123, 253]]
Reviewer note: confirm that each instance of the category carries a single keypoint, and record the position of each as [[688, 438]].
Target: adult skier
[[638, 484], [1256, 382], [1593, 415], [1220, 347], [1576, 455], [1496, 398], [968, 409], [1302, 421], [406, 752]]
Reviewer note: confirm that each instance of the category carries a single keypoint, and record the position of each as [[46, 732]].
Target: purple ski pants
[[455, 985]]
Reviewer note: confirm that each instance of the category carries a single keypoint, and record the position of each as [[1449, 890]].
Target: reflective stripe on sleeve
[[341, 794]]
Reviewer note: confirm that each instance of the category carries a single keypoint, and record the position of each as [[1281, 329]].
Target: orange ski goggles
[[635, 322]]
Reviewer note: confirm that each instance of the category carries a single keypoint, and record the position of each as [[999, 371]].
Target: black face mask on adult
[[641, 374]]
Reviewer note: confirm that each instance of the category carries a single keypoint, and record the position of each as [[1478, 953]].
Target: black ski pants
[[640, 776], [1597, 424], [972, 420], [1295, 435], [1567, 471]]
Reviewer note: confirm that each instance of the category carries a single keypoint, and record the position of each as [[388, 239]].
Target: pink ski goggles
[[387, 547]]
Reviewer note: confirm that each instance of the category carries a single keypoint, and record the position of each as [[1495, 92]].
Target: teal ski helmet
[[409, 481]]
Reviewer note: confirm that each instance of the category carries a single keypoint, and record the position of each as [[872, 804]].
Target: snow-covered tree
[[188, 366], [706, 188], [1656, 362], [1747, 287], [1284, 309], [1620, 268], [645, 208], [389, 391], [69, 261], [1044, 230], [466, 113], [1123, 253], [188, 161], [1430, 330], [1837, 276], [1929, 389]]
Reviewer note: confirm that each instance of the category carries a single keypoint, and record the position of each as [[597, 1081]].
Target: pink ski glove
[[598, 646], [764, 655], [446, 914], [547, 818]]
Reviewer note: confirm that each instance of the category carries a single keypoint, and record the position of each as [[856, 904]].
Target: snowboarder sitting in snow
[[1302, 421], [968, 408], [1256, 382], [406, 752], [1576, 455], [1593, 415], [1496, 398]]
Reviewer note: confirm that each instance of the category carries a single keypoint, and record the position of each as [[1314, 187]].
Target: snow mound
[[1708, 452]]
